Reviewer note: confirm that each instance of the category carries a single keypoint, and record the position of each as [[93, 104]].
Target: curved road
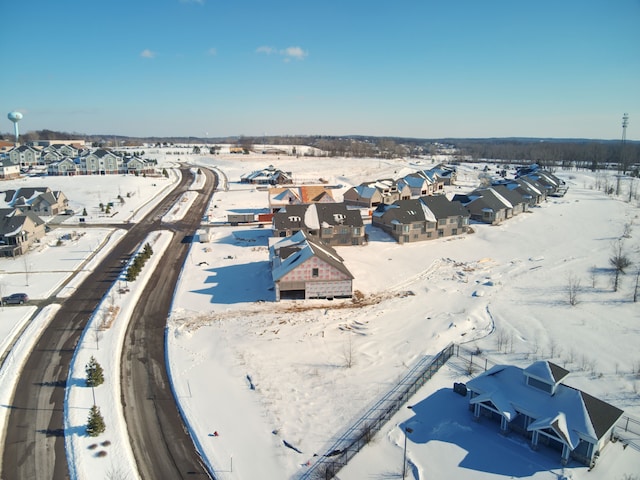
[[34, 434], [161, 446]]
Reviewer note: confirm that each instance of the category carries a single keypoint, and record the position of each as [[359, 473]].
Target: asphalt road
[[34, 433], [160, 444]]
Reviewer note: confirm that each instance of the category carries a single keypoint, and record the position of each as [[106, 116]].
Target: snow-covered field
[[503, 282]]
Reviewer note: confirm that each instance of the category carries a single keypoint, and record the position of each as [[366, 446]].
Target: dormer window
[[544, 376], [535, 383]]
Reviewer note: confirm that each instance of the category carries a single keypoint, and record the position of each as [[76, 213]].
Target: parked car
[[15, 299]]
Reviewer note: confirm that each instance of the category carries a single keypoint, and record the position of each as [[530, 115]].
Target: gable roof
[[12, 221], [365, 190], [405, 212], [568, 411], [416, 180], [23, 196], [514, 197], [442, 207], [316, 215], [430, 208], [482, 198], [293, 251], [301, 194], [546, 371]]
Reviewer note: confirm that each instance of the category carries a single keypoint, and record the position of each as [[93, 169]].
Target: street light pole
[[407, 431]]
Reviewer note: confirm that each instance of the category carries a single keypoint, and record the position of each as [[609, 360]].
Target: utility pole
[[407, 431]]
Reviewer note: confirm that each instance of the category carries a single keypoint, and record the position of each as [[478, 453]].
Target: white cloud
[[265, 49], [294, 52], [288, 53], [146, 53], [212, 51]]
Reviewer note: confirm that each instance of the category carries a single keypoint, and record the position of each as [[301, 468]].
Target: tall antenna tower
[[625, 123]]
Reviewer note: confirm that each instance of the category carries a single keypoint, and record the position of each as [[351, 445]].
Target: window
[[535, 383], [314, 272], [454, 231], [440, 233]]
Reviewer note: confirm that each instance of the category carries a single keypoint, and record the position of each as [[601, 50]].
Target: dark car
[[15, 299]]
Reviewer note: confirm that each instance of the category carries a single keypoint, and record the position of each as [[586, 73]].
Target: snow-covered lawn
[[226, 334]]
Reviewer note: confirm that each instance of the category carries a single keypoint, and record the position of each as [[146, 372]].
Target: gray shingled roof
[[333, 214]]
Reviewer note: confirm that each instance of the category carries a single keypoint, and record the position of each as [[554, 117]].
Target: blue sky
[[419, 68]]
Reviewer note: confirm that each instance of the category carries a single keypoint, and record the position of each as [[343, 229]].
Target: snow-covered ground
[[502, 282]]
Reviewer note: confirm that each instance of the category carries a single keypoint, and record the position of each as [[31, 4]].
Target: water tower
[[15, 117]]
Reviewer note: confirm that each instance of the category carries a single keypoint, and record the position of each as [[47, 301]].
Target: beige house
[[19, 229], [40, 200], [50, 203], [8, 169], [372, 194]]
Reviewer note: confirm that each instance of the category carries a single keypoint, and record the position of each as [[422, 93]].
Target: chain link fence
[[364, 429]]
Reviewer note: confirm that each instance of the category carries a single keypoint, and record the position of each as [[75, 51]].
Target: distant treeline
[[587, 154]]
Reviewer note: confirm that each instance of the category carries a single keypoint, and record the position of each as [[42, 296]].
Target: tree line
[[588, 154], [583, 154]]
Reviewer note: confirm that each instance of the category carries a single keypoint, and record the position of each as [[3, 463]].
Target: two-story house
[[333, 223]]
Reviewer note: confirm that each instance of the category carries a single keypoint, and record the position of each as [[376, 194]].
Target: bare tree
[[510, 343], [571, 356], [619, 260], [501, 340], [573, 289], [637, 286], [348, 353]]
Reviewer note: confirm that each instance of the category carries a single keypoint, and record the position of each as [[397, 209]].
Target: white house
[[534, 402]]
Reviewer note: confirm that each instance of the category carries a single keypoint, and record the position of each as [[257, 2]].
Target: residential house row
[[406, 219], [411, 186], [508, 198], [64, 159]]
